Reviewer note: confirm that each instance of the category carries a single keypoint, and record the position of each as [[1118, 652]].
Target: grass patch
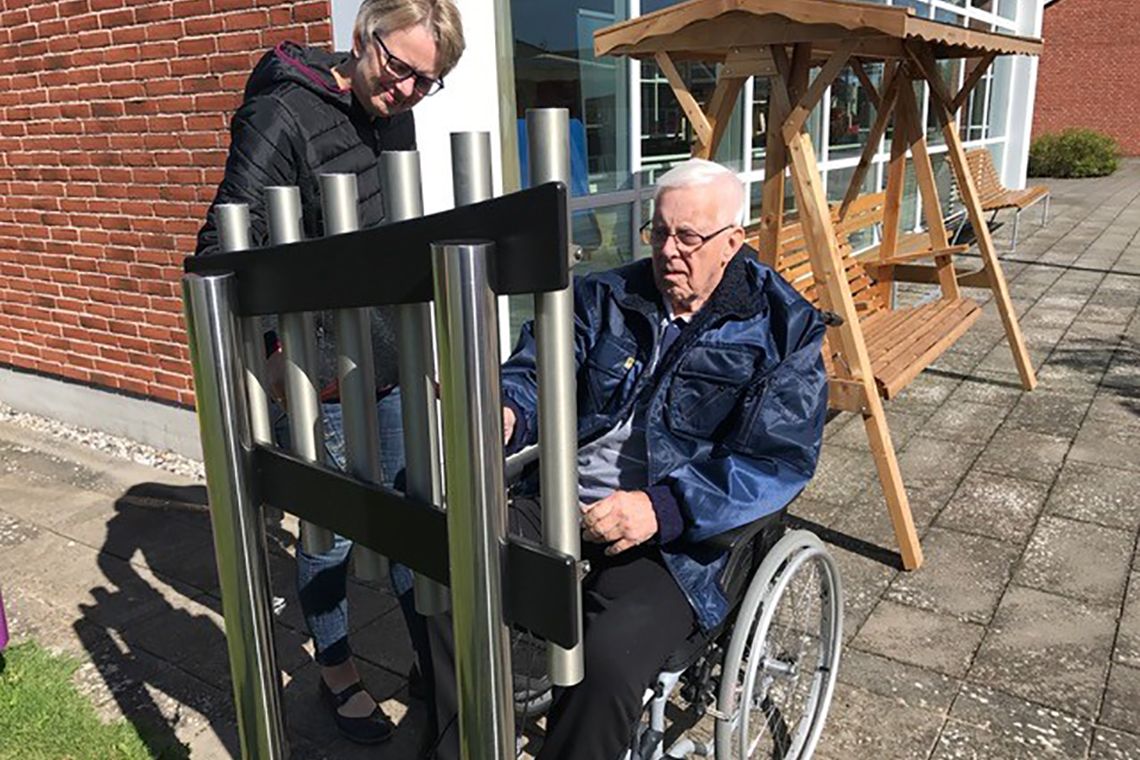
[[44, 717]]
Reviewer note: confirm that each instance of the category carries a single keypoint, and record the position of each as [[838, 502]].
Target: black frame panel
[[391, 264]]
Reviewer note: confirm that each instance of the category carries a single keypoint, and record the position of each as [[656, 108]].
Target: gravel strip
[[123, 448]]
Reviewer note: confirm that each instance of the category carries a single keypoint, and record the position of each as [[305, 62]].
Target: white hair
[[696, 172]]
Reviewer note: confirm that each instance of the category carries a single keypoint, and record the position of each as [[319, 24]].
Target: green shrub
[[1073, 153]]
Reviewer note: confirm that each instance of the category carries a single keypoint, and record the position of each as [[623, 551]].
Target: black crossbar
[[542, 592], [391, 264]]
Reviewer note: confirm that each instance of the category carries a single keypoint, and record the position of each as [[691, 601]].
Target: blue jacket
[[736, 409]]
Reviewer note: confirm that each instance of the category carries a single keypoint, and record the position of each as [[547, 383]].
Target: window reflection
[[852, 114]]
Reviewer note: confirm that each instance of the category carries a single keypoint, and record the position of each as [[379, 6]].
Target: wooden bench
[[995, 197], [901, 342], [890, 344]]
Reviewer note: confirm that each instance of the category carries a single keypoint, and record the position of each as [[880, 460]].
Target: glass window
[[759, 126], [837, 182], [950, 76], [851, 115], [555, 67], [667, 136]]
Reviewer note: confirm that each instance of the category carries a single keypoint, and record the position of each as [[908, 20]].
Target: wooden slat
[[891, 384]]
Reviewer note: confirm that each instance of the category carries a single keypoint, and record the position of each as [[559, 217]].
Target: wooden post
[[835, 293], [886, 104], [719, 111], [940, 102], [931, 204]]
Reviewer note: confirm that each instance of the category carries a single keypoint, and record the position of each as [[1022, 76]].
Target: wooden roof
[[711, 30]]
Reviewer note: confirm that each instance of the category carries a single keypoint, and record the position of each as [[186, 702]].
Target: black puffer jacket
[[293, 126]]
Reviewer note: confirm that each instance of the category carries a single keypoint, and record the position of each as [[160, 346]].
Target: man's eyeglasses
[[688, 241], [424, 84]]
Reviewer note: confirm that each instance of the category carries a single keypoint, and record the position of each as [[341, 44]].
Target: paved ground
[[1019, 638]]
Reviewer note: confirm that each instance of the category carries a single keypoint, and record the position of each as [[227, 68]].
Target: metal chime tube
[[468, 349], [356, 371], [403, 198], [298, 342], [548, 149]]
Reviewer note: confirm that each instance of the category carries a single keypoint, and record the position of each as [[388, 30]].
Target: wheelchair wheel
[[779, 671]]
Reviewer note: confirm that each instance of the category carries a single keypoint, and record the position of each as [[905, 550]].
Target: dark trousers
[[635, 617]]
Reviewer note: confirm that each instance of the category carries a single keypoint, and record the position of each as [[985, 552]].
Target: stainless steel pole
[[356, 371], [468, 351], [239, 539], [548, 150], [403, 198], [298, 342], [233, 233]]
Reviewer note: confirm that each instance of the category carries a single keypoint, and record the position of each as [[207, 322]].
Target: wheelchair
[[765, 675]]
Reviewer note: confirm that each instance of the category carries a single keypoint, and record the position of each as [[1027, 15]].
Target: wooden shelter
[[784, 40]]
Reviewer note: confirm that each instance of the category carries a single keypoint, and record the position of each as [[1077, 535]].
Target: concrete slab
[[1023, 454], [852, 732], [985, 723], [1078, 560], [1048, 649], [1114, 745], [1101, 495], [995, 505], [1121, 708], [963, 576], [919, 637], [1127, 650]]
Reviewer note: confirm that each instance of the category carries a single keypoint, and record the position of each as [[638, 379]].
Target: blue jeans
[[322, 578]]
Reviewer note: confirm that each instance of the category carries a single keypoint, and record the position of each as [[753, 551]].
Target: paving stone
[[852, 729], [1115, 409], [815, 511], [928, 389], [1057, 414], [841, 475], [1122, 700], [965, 421], [1128, 636], [1100, 495], [1023, 454], [962, 575], [985, 723], [937, 460], [385, 642], [995, 505], [1108, 445], [980, 391], [864, 581], [903, 427], [129, 683], [1077, 559], [1114, 745], [1047, 649], [908, 685], [29, 465], [919, 637], [14, 531]]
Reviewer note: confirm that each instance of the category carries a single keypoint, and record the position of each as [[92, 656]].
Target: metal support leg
[[548, 139], [468, 350], [239, 539], [1016, 218]]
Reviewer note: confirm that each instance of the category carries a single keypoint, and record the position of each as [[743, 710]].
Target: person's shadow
[[156, 636]]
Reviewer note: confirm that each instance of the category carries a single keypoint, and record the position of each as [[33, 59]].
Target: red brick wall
[[1089, 74], [113, 135]]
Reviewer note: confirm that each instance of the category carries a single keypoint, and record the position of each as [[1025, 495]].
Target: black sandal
[[373, 728]]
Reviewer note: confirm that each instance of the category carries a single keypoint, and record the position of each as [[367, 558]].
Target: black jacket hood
[[308, 67]]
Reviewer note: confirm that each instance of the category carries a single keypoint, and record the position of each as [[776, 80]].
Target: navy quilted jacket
[[736, 404]]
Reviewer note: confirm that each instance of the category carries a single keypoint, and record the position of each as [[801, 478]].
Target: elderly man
[[701, 402]]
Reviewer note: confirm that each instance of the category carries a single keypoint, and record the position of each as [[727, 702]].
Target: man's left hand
[[623, 519]]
